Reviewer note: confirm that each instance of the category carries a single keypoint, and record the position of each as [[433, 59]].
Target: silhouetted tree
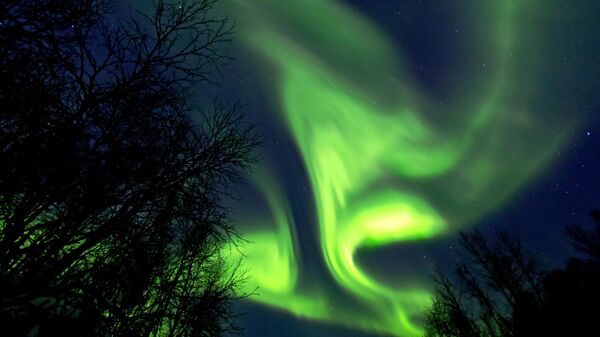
[[573, 293], [497, 291], [500, 290], [111, 216]]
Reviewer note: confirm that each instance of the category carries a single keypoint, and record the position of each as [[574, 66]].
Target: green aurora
[[387, 163]]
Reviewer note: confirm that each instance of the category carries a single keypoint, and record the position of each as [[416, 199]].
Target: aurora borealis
[[300, 168], [389, 160]]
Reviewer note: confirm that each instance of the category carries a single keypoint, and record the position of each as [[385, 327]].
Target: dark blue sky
[[562, 193]]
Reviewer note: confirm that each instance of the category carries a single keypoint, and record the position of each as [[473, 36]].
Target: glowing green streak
[[270, 258], [316, 108], [367, 140]]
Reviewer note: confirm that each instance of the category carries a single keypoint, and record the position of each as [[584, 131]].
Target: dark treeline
[[500, 289], [111, 216]]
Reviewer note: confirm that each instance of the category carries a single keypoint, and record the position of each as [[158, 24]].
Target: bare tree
[[497, 291], [111, 216], [500, 290], [573, 292]]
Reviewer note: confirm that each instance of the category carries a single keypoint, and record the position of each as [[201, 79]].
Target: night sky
[[389, 127]]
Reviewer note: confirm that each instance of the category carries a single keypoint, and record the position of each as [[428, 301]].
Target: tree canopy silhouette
[[573, 292], [111, 196], [499, 289]]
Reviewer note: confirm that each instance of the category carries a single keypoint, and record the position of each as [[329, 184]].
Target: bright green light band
[[387, 164]]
